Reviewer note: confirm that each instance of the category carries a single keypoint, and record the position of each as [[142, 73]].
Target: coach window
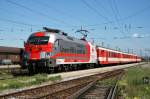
[[112, 54], [102, 52], [108, 54]]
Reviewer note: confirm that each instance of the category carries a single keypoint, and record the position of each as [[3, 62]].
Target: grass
[[107, 82], [132, 85], [25, 81], [4, 74]]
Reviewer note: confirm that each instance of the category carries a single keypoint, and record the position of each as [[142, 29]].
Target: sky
[[117, 24]]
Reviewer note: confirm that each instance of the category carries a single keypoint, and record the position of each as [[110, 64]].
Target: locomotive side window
[[81, 49], [56, 44], [72, 48], [38, 40]]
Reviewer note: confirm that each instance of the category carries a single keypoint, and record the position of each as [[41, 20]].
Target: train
[[10, 55], [53, 49]]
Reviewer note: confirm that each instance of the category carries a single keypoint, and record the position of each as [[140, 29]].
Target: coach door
[[106, 55], [103, 56], [93, 54]]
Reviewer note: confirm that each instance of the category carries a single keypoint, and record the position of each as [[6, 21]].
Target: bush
[[132, 85]]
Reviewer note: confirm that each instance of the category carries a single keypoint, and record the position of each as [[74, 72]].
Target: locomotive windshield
[[38, 40]]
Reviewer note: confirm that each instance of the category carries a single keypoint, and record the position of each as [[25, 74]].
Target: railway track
[[97, 91], [12, 73], [61, 90], [100, 90], [3, 67]]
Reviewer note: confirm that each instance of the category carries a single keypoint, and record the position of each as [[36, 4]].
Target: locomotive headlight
[[42, 54], [45, 54], [48, 54]]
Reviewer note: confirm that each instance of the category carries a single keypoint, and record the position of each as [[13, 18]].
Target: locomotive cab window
[[38, 40]]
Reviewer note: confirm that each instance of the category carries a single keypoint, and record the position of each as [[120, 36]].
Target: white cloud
[[135, 35]]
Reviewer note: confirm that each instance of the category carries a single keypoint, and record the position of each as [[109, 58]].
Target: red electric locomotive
[[52, 49]]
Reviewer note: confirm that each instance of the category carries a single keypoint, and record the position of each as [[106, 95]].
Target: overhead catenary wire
[[7, 11], [136, 13], [132, 15], [38, 13], [101, 5], [115, 15], [95, 10], [109, 21], [101, 15], [62, 13], [126, 17], [17, 22], [119, 17], [19, 29]]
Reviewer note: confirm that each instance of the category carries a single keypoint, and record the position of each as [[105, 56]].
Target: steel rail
[[111, 90], [54, 88]]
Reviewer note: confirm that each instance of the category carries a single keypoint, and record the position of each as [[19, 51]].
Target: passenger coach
[[109, 56]]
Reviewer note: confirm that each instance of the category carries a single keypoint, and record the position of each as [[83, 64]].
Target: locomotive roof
[[61, 35], [64, 36], [11, 50], [72, 39]]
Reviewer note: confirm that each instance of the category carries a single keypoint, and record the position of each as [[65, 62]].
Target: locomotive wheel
[[50, 69], [59, 68], [75, 67], [30, 69], [46, 70], [35, 69], [96, 65], [66, 68]]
